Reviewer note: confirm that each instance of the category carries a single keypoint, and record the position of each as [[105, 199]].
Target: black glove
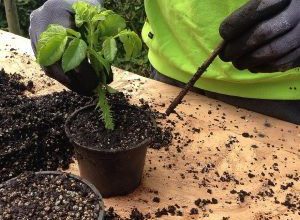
[[83, 79], [263, 36]]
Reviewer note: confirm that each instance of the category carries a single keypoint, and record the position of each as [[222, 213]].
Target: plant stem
[[194, 79], [105, 107], [90, 36]]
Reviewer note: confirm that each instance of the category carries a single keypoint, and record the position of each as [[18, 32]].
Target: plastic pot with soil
[[50, 195], [113, 160], [111, 152]]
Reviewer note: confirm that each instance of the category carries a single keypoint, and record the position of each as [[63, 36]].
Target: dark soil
[[161, 138], [32, 133], [201, 203], [194, 211], [156, 200], [33, 196], [32, 136], [132, 126], [241, 195], [161, 135], [135, 214], [110, 214], [292, 202]]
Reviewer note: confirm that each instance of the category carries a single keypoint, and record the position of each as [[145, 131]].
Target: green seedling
[[101, 36]]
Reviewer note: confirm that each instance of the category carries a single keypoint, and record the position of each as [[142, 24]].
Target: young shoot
[[100, 37]]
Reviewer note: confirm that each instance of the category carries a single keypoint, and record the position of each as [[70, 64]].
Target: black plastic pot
[[113, 172], [91, 186]]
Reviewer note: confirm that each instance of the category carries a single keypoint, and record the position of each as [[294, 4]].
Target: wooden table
[[212, 162]]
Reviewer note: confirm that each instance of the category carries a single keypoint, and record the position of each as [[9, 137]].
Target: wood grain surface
[[218, 151]]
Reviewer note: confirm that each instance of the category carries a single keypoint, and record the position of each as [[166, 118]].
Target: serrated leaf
[[81, 11], [131, 42], [74, 54], [52, 31], [98, 17], [52, 50], [84, 12], [110, 49], [112, 25]]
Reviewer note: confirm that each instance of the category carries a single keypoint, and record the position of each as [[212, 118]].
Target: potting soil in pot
[[132, 126], [35, 196]]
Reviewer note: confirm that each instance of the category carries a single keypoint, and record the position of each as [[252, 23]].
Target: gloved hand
[[83, 79], [263, 36]]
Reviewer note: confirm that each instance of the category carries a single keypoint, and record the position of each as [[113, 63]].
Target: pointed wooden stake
[[194, 79]]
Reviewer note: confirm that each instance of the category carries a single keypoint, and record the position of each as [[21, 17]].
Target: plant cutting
[[100, 31], [111, 152], [50, 195]]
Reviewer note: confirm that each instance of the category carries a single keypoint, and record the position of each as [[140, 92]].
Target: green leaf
[[105, 63], [74, 33], [112, 25], [53, 31], [81, 12], [52, 50], [97, 66], [110, 49], [74, 54], [84, 12], [105, 107], [100, 65], [131, 42], [100, 60], [98, 17]]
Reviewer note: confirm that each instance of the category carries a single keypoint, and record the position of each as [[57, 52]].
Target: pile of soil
[[32, 136], [132, 126], [35, 196]]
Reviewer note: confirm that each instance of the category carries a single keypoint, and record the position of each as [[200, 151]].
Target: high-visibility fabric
[[181, 34]]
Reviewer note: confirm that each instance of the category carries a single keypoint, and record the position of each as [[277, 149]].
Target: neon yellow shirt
[[184, 34]]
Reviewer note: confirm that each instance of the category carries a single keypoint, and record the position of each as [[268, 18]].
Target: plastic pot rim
[[105, 151]]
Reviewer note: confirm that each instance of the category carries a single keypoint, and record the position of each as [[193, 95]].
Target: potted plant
[[50, 194], [110, 138]]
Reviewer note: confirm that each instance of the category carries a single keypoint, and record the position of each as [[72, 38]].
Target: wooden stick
[[194, 79], [12, 16]]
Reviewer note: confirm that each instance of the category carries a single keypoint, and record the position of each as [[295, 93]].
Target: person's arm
[[83, 79], [263, 36]]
